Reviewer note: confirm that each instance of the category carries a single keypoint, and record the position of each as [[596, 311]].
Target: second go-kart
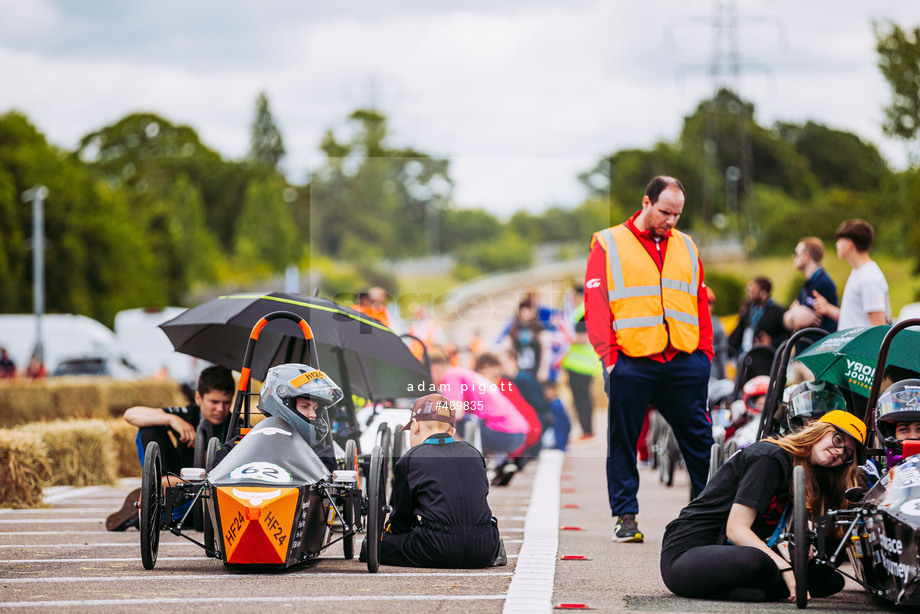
[[271, 500]]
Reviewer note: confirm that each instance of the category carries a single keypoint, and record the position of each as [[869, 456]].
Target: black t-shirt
[[757, 476], [191, 413]]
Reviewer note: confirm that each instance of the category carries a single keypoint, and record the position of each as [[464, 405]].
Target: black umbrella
[[362, 355]]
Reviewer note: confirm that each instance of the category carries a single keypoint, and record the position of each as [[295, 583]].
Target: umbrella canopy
[[359, 353], [848, 357]]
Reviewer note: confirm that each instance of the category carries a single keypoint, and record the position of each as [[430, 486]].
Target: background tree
[[266, 147], [265, 232]]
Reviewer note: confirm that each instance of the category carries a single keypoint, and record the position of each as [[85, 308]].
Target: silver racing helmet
[[286, 383], [811, 400], [899, 403]]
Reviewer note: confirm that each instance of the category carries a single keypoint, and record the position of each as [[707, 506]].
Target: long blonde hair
[[825, 487]]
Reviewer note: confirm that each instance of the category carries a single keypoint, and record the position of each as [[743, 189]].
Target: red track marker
[[567, 528], [568, 491], [572, 606], [574, 557], [570, 506]]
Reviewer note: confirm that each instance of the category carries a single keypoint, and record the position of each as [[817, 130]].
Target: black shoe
[[504, 473], [627, 529], [127, 515], [501, 559], [362, 556]]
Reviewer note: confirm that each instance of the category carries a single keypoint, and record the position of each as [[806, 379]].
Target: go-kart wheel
[[199, 461], [731, 449], [399, 443], [376, 502], [715, 460], [802, 539], [151, 504], [348, 508], [208, 528]]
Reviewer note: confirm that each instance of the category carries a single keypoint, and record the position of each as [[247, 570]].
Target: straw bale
[[81, 451], [123, 439], [25, 469]]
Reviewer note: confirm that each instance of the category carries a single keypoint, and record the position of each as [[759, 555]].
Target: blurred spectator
[[801, 314], [865, 299], [719, 341], [529, 388], [581, 364], [488, 365], [530, 341], [36, 368], [562, 425], [426, 328], [503, 428], [7, 366], [760, 319], [373, 303]]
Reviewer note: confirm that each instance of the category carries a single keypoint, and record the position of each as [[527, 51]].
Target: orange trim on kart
[[257, 523], [307, 331], [244, 379], [258, 328]]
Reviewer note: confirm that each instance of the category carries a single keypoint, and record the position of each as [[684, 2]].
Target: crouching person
[[440, 516]]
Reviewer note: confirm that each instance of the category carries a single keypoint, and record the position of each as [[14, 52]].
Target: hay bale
[[123, 439], [25, 469], [81, 451]]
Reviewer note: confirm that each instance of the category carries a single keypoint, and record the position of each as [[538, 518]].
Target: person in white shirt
[[865, 299]]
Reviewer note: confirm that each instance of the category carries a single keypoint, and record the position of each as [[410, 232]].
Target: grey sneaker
[[627, 530], [501, 559]]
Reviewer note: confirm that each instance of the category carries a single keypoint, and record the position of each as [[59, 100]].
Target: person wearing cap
[[723, 544], [440, 516]]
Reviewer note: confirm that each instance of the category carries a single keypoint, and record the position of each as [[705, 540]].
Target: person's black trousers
[[428, 545]]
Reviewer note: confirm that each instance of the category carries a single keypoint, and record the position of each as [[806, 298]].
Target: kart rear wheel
[[399, 443], [376, 501], [348, 510], [731, 449], [151, 504], [801, 536], [208, 528], [200, 453], [715, 460]]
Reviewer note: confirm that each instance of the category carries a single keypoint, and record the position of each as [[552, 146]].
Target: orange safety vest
[[650, 306]]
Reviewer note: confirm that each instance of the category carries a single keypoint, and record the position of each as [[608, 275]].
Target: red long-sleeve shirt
[[598, 316]]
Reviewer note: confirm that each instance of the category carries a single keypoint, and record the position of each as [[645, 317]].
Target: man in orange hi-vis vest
[[648, 319]]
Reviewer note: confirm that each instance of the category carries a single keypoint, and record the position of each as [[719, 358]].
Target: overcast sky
[[522, 96]]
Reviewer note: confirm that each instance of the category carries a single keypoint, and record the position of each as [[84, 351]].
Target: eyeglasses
[[840, 443]]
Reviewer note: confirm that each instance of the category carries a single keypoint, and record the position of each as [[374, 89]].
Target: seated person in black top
[[301, 396], [722, 544], [440, 517], [211, 410]]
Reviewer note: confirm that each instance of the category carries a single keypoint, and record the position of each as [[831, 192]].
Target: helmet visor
[[816, 403], [897, 402]]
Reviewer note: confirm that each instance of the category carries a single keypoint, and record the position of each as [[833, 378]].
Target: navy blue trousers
[[678, 390]]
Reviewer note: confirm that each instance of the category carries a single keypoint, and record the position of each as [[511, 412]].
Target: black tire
[[208, 528], [150, 513], [801, 536], [348, 511], [730, 449], [386, 443], [715, 460], [376, 501], [399, 444], [200, 453]]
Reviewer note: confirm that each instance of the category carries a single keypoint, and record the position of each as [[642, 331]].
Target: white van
[[66, 337], [141, 339]]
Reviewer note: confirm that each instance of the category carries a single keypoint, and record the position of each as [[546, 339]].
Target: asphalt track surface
[[61, 559]]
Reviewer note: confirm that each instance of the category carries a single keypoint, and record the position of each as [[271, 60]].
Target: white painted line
[[55, 510], [260, 576], [92, 545], [108, 560], [224, 600], [49, 520], [513, 541], [103, 532], [531, 587], [68, 492]]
